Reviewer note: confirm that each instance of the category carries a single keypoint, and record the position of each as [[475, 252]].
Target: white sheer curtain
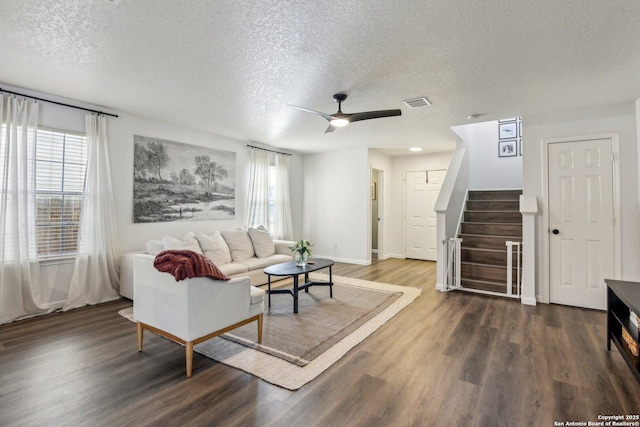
[[284, 227], [96, 275], [263, 186], [258, 197], [21, 287]]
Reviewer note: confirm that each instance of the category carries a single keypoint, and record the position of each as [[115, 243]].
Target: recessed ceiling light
[[415, 149]]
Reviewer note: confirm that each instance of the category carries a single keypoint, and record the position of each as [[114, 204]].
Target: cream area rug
[[296, 348]]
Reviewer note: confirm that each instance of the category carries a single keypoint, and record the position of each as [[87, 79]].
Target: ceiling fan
[[341, 119]]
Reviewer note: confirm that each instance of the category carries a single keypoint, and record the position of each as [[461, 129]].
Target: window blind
[[61, 160]]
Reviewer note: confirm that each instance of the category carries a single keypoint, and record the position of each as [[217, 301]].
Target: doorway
[[420, 224], [582, 220], [377, 181]]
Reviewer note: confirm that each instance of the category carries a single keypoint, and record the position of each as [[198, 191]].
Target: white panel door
[[434, 184], [581, 218], [421, 192]]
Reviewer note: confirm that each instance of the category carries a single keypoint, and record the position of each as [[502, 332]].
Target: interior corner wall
[[134, 236], [613, 120], [336, 204], [486, 169], [383, 162], [637, 106]]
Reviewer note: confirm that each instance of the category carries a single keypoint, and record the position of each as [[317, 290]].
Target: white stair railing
[[451, 264], [510, 246]]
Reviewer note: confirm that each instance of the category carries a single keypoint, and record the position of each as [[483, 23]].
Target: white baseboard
[[439, 287], [528, 301], [344, 260]]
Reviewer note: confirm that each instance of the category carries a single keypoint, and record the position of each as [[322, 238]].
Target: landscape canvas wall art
[[173, 181]]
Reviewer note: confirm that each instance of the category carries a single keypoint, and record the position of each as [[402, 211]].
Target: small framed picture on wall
[[507, 148], [507, 130]]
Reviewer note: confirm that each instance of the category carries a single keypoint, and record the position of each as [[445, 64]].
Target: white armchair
[[192, 310]]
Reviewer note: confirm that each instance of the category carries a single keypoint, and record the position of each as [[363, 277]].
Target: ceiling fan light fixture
[[340, 119], [338, 122]]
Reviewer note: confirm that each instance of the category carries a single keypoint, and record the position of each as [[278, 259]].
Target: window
[[268, 198], [61, 160]]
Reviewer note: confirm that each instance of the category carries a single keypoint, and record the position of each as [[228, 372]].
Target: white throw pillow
[[262, 242], [239, 243], [189, 237], [214, 247], [154, 247], [263, 228], [171, 243]]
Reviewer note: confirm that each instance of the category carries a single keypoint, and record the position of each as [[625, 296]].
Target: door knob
[[555, 231]]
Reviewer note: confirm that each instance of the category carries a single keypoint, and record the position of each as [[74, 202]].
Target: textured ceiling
[[231, 67]]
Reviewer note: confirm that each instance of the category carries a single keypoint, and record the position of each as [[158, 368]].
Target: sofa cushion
[[171, 243], [214, 247], [239, 244], [233, 268], [154, 247], [262, 242], [256, 263]]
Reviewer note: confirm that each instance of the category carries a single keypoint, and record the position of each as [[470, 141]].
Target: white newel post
[[529, 210], [440, 264]]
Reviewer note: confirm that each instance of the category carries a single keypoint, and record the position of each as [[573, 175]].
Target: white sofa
[[237, 253], [192, 310]]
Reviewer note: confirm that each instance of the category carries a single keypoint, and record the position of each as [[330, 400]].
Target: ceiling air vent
[[417, 102]]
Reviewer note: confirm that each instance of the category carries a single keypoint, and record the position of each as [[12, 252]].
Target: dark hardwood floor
[[447, 359]]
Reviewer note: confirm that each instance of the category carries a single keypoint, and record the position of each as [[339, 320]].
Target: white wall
[[336, 205], [486, 169], [134, 236], [606, 120]]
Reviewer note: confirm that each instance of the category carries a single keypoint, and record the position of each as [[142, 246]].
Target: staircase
[[491, 218]]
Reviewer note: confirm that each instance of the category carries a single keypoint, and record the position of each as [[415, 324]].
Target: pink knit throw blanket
[[187, 264]]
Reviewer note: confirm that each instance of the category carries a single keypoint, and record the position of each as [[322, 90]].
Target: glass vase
[[301, 259]]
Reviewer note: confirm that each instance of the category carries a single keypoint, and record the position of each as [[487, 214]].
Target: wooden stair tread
[[490, 223], [496, 236], [480, 264], [500, 288], [484, 281], [469, 248], [492, 200]]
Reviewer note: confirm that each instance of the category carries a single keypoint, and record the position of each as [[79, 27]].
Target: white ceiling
[[231, 67]]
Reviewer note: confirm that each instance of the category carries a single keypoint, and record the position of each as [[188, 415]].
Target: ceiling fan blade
[[331, 128], [326, 116], [367, 115]]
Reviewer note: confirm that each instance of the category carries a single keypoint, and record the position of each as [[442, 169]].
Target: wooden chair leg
[[189, 355], [260, 329], [140, 333]]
